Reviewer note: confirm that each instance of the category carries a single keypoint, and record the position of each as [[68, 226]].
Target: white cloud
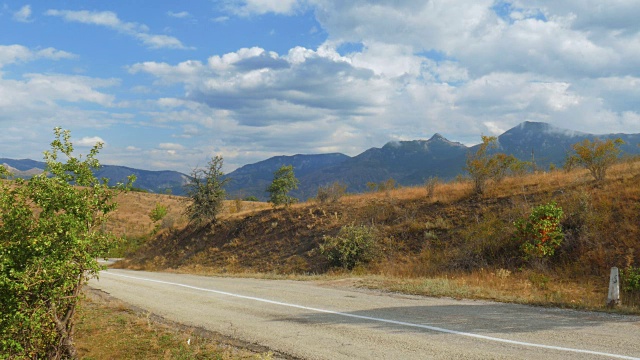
[[259, 7], [10, 54], [23, 15], [179, 15], [110, 19], [89, 141], [170, 146]]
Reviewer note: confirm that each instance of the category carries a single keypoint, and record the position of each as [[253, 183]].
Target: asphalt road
[[309, 320]]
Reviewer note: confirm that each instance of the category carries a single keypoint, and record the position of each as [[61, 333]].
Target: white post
[[614, 288]]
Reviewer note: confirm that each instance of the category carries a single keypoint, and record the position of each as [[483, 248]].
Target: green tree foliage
[[205, 192], [354, 245], [596, 156], [50, 238], [284, 180], [158, 212], [541, 233]]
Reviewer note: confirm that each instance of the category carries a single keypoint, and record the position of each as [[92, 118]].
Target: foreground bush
[[353, 246], [49, 242], [541, 233]]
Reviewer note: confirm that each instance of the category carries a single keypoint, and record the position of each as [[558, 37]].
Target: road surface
[[307, 320]]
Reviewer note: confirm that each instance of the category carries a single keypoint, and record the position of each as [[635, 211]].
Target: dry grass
[[110, 329]]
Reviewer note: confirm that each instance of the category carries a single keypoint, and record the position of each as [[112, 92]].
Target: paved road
[[310, 321]]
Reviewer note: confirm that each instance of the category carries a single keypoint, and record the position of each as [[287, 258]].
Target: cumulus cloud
[[110, 20], [258, 87], [23, 15], [89, 141], [10, 54]]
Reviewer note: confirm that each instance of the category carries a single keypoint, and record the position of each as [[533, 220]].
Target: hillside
[[452, 234]]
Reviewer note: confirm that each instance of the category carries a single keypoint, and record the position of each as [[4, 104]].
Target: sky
[[166, 85]]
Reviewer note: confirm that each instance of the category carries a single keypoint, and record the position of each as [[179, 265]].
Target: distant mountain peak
[[437, 137], [544, 128]]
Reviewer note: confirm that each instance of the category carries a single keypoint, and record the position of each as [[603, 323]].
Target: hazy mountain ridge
[[413, 162], [152, 181], [407, 162]]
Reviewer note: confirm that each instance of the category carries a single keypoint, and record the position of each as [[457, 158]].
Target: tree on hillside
[[483, 167], [284, 180], [596, 156], [205, 191], [479, 165], [50, 237]]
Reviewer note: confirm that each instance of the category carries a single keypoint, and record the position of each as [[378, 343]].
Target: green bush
[[158, 212], [354, 245], [50, 238], [541, 233], [630, 279]]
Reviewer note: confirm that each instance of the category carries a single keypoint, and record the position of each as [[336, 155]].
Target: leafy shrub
[[49, 240], [205, 191], [158, 212], [331, 193], [631, 279], [541, 233], [251, 198], [354, 245]]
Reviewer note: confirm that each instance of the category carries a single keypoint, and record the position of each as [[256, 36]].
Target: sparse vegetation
[[430, 185], [284, 180], [383, 186], [331, 193], [205, 192], [50, 240]]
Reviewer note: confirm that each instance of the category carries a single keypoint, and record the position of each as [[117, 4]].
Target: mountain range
[[407, 162], [413, 162]]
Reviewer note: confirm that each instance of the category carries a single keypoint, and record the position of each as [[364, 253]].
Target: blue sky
[[169, 84]]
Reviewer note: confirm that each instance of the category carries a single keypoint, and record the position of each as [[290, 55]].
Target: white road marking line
[[402, 323]]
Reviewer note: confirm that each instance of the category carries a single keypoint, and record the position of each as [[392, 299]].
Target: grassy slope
[[463, 241]]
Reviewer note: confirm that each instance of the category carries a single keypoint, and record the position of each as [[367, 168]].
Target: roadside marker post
[[614, 288]]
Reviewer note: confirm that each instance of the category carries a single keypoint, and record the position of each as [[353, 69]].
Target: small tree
[[596, 156], [284, 180], [480, 165], [205, 191], [50, 238]]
